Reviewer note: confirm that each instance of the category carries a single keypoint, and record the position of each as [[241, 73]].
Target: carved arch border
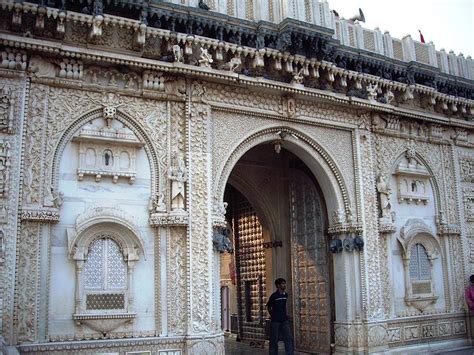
[[433, 176], [301, 140], [131, 123], [416, 231]]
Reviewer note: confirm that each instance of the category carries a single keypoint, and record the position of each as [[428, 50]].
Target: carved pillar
[[12, 103], [386, 232], [347, 245], [201, 317], [371, 259]]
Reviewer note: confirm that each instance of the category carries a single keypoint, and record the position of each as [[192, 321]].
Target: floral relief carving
[[467, 170], [34, 143], [200, 241], [9, 207], [468, 205], [208, 346], [27, 286], [6, 111], [373, 301], [177, 281], [235, 96]]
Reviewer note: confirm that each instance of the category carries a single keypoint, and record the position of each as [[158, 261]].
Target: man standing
[[280, 326], [470, 303]]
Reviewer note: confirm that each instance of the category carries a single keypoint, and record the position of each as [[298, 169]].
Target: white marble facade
[[113, 169]]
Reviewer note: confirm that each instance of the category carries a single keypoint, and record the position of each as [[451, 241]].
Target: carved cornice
[[345, 228], [41, 216], [169, 219], [449, 229]]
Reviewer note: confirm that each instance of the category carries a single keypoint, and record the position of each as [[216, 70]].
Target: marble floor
[[233, 347]]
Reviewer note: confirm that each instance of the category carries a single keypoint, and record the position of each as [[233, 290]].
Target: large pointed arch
[[318, 160]]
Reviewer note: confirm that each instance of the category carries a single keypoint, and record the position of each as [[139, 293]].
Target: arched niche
[[130, 125], [103, 236], [421, 250]]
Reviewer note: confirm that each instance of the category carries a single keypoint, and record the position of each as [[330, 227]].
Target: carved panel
[[459, 327], [177, 281], [6, 111], [5, 162], [240, 97], [412, 332], [374, 297], [444, 329], [428, 330], [394, 335], [425, 329], [469, 205], [35, 122], [467, 170], [200, 241], [27, 288]]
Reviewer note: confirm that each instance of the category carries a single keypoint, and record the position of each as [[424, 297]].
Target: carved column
[[12, 103], [347, 246], [371, 259], [201, 261]]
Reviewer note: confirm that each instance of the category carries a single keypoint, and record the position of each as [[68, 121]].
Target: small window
[[420, 270], [105, 276]]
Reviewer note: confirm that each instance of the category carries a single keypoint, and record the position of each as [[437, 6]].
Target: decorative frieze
[[169, 219], [424, 329], [40, 215]]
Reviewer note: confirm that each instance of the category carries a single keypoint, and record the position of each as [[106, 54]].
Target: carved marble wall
[[210, 126]]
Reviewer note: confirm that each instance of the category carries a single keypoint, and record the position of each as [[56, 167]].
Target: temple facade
[[163, 162]]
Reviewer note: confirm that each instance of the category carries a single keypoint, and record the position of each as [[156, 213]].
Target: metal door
[[311, 279]]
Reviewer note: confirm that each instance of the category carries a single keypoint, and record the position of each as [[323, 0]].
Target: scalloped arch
[[69, 132], [105, 219], [318, 160]]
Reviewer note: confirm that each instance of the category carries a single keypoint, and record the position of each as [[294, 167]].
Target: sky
[[449, 24]]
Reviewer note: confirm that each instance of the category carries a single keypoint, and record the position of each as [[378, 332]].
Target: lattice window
[[352, 41], [369, 41], [422, 53], [420, 270], [397, 49], [249, 10], [105, 275]]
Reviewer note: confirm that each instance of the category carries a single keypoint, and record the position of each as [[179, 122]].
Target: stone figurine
[[221, 240], [384, 195], [372, 92], [205, 59], [178, 176]]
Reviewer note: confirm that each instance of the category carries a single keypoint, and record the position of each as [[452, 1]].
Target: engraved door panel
[[310, 265]]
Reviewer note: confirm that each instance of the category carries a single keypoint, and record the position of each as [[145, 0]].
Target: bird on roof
[[203, 5]]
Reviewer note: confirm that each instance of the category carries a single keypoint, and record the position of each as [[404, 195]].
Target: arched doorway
[[278, 216]]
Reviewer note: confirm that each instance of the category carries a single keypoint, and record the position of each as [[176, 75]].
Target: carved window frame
[[130, 255], [416, 232], [116, 225]]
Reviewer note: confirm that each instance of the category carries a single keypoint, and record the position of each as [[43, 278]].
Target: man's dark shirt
[[277, 306]]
